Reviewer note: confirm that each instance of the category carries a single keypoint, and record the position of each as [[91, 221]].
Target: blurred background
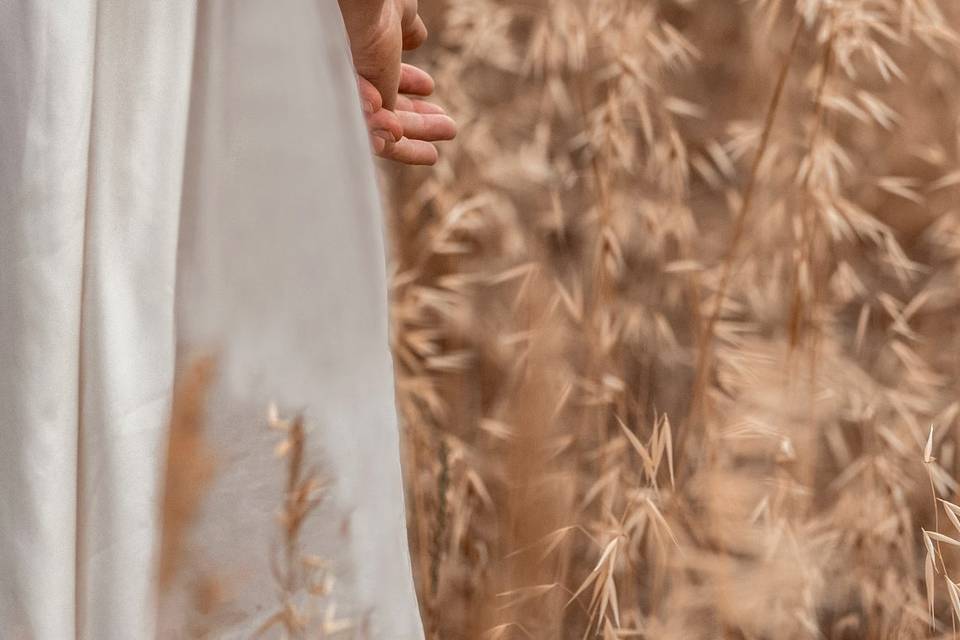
[[675, 320]]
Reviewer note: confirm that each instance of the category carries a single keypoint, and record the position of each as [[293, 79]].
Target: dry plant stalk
[[300, 577], [189, 466]]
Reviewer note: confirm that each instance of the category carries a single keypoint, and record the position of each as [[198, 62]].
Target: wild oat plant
[[195, 601], [676, 321]]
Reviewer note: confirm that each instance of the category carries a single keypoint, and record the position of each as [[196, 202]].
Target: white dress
[[176, 180]]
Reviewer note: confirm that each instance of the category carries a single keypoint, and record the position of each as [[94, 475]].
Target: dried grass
[[189, 467], [302, 579], [674, 316]]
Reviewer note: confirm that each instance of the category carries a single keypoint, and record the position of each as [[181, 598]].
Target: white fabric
[[172, 180]]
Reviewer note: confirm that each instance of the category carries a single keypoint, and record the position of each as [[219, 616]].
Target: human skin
[[402, 126]]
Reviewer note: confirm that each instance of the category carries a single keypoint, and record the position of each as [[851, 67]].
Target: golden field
[[676, 321]]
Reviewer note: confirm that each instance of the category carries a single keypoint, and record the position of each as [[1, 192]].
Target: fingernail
[[367, 106], [385, 135], [379, 144]]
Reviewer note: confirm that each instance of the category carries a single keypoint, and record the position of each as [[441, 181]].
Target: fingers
[[369, 96], [418, 106], [427, 127], [406, 130], [414, 33], [406, 134], [385, 124], [381, 76], [415, 81], [407, 151], [421, 128]]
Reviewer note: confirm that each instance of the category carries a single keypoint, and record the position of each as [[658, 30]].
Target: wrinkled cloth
[[179, 179]]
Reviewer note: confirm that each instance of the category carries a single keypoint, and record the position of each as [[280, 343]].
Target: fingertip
[[415, 81], [385, 123], [452, 130], [396, 128], [370, 98]]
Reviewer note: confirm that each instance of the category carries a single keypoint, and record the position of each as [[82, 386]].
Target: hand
[[379, 31], [406, 134]]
